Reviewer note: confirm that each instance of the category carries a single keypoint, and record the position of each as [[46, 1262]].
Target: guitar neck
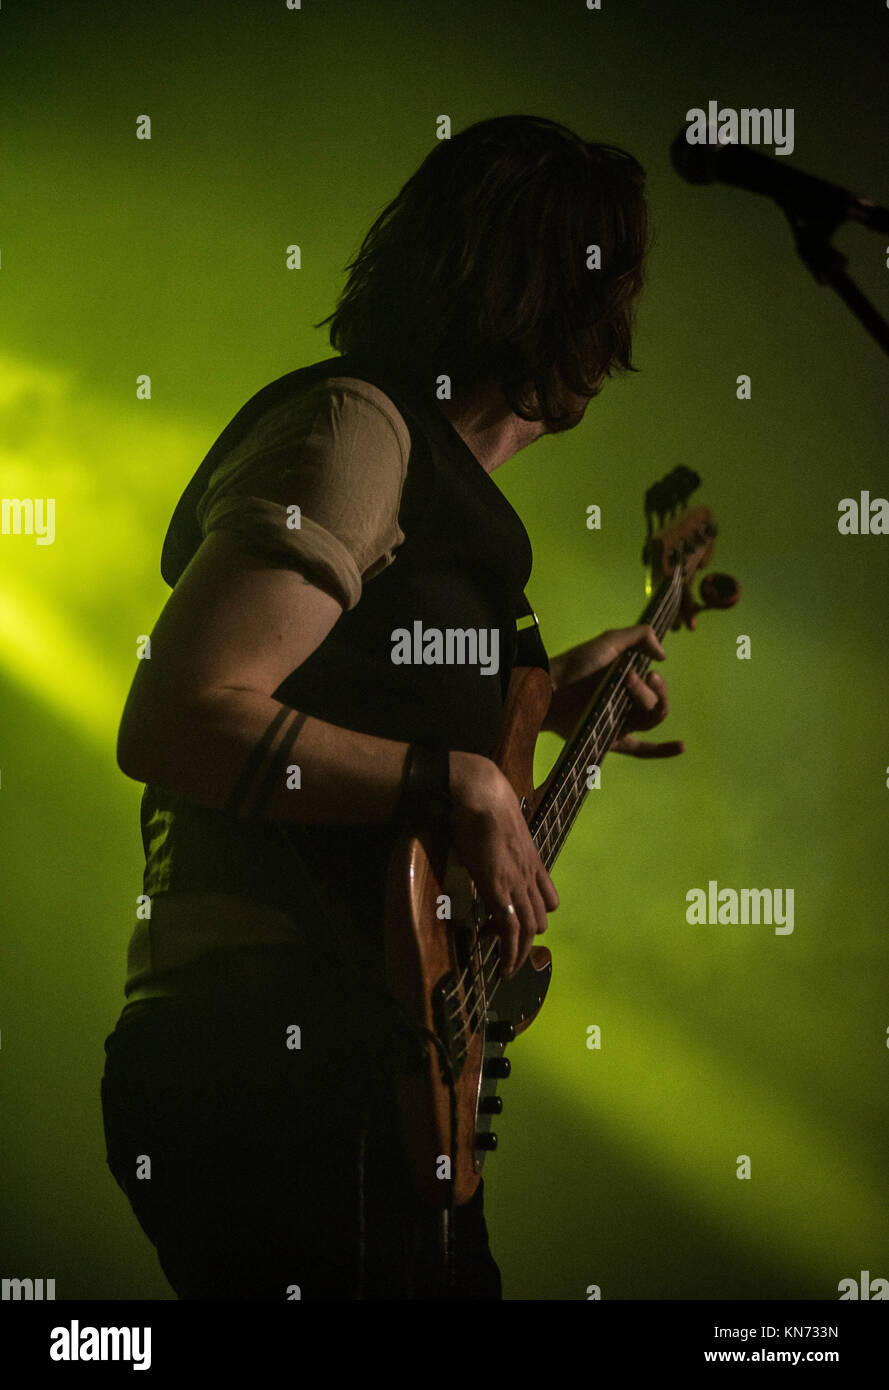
[[604, 721]]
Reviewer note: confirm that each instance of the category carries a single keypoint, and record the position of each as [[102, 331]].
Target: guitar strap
[[530, 650]]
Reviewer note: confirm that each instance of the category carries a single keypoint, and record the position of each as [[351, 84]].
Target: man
[[249, 1087]]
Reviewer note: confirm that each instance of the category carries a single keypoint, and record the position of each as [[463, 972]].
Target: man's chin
[[564, 422]]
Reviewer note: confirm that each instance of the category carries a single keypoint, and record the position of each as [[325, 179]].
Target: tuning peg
[[719, 591]]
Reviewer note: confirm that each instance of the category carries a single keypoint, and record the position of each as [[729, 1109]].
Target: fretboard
[[603, 722]]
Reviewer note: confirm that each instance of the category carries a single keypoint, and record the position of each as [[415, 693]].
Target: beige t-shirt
[[339, 452], [317, 484]]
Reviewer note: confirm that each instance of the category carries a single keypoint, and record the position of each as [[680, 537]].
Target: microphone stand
[[813, 226]]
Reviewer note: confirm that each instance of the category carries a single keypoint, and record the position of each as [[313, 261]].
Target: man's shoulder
[[346, 405]]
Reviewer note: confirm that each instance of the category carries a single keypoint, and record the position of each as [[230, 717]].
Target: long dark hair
[[478, 268]]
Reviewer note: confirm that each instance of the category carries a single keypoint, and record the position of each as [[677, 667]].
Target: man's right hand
[[490, 837]]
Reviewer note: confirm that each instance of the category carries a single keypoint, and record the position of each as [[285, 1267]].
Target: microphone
[[799, 194]]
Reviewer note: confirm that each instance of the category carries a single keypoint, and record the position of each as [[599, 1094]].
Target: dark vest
[[463, 565]]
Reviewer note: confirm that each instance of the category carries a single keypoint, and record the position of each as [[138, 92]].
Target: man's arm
[[201, 720], [200, 713]]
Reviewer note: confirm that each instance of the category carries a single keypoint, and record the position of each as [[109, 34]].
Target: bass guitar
[[442, 955]]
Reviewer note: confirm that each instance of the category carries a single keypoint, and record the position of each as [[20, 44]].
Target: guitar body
[[438, 971]]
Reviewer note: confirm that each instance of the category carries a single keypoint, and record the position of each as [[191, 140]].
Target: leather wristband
[[425, 792]]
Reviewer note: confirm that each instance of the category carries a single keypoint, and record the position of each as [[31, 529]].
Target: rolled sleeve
[[316, 485], [313, 550]]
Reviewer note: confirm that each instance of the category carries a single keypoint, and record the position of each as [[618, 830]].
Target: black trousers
[[255, 1134]]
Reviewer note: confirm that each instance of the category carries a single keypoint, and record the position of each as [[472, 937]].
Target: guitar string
[[491, 956], [483, 988], [619, 703], [483, 997], [612, 716], [638, 661]]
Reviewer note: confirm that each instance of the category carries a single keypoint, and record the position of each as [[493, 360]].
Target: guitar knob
[[719, 591], [497, 1066], [503, 1032], [486, 1141], [491, 1105]]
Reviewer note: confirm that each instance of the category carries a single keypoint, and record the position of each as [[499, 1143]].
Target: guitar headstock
[[684, 540]]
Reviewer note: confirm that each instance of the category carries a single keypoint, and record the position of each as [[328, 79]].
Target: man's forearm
[[238, 750]]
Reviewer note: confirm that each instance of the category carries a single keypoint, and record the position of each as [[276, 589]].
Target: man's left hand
[[576, 673]]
